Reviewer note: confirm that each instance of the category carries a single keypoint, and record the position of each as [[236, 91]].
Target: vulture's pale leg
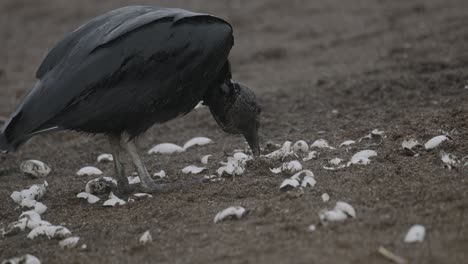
[[146, 180], [122, 181]]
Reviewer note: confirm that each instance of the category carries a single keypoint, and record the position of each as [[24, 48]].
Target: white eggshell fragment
[[101, 185], [335, 164], [89, 171], [435, 142], [347, 143], [26, 259], [241, 156], [284, 151], [291, 166], [321, 143], [346, 208], [308, 181], [133, 179], [409, 144], [204, 159], [192, 169], [105, 158], [333, 216], [35, 168], [166, 148], [415, 234], [197, 141], [30, 215], [289, 184], [362, 157], [301, 146], [88, 197], [233, 212], [450, 161], [70, 242], [233, 166], [161, 174], [325, 197], [40, 208], [276, 170], [35, 192], [143, 195], [146, 238], [15, 227], [312, 155], [49, 231], [113, 201]]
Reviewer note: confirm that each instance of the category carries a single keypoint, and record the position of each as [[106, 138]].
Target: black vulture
[[131, 68]]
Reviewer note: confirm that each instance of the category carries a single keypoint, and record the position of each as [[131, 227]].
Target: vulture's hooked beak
[[252, 138]]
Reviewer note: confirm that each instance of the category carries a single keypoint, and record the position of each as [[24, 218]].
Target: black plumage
[[128, 69]]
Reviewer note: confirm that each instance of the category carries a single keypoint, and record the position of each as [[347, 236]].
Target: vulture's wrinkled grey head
[[237, 112]]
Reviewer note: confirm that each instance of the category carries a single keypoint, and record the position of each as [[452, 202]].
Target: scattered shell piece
[[415, 234], [146, 238], [133, 179], [143, 195], [303, 173], [410, 145], [321, 143], [435, 142], [450, 161], [113, 201], [375, 135], [301, 146], [391, 256], [192, 169], [335, 164], [35, 192], [308, 181], [312, 155], [204, 159], [341, 212], [49, 231], [362, 157], [346, 208], [161, 174], [105, 158], [234, 166], [213, 178], [289, 184], [40, 208], [233, 212], [197, 141], [101, 185], [70, 242], [15, 227], [347, 143], [276, 170], [84, 246], [88, 197], [30, 215], [241, 156], [325, 197], [26, 259], [291, 166], [166, 148], [35, 168], [89, 171], [281, 153], [311, 228]]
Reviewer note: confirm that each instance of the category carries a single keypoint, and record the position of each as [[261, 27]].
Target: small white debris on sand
[[312, 155], [101, 185], [49, 231], [143, 195], [89, 171], [88, 197], [146, 238], [308, 180], [197, 141], [192, 169], [105, 158], [35, 168], [341, 212], [321, 143], [410, 146], [435, 142], [166, 148], [362, 157], [276, 170], [213, 178], [26, 259], [415, 234], [235, 165], [161, 174], [113, 201], [281, 153], [335, 164], [391, 256], [450, 161], [375, 135], [325, 197], [204, 159], [311, 228], [70, 242], [133, 179], [347, 143], [35, 192], [291, 166], [289, 184], [301, 146], [233, 212]]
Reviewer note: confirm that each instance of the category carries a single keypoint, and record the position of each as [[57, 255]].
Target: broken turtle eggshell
[[88, 197], [105, 158], [415, 234], [146, 238], [35, 192], [192, 169], [240, 156], [276, 170], [113, 201], [312, 155], [362, 157], [325, 197], [101, 185], [291, 166], [35, 168], [302, 173], [332, 216], [233, 212], [197, 141], [308, 181], [301, 146], [49, 232], [161, 174], [166, 148], [70, 242], [284, 151], [435, 142], [15, 227], [89, 171], [450, 161], [26, 259], [140, 196], [347, 143], [321, 143], [289, 184], [133, 179], [334, 164], [204, 159], [346, 208]]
